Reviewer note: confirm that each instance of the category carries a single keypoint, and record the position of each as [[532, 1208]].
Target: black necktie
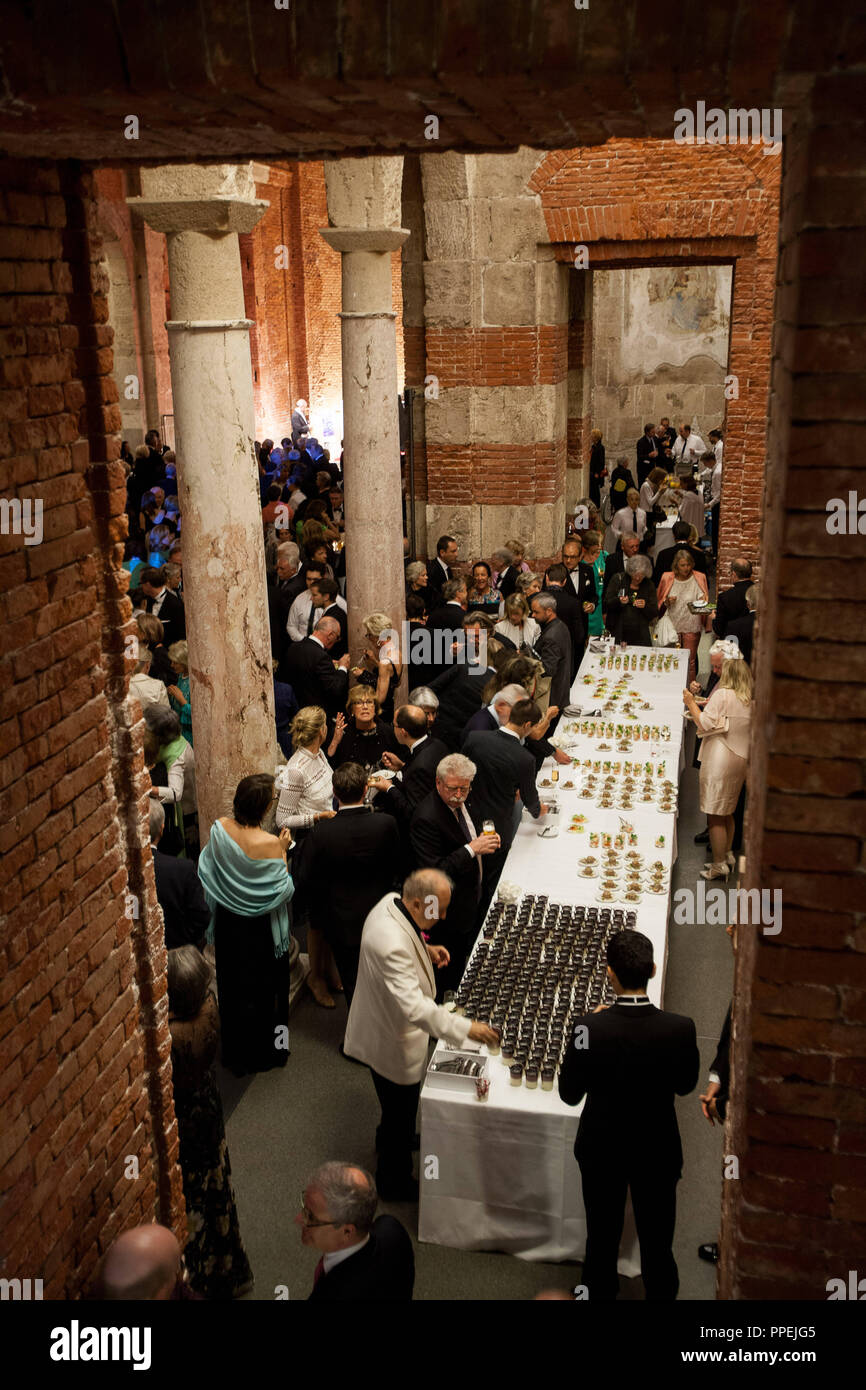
[[634, 521], [310, 620]]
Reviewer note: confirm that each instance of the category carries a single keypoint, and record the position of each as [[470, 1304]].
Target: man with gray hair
[[361, 1257], [283, 588], [631, 603], [506, 582], [443, 836], [553, 648], [393, 1016], [496, 712], [178, 889], [143, 686], [428, 700]]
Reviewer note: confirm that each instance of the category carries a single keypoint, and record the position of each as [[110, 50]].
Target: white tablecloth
[[505, 1177], [664, 538]]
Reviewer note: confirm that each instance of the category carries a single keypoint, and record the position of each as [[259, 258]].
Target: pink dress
[[724, 757]]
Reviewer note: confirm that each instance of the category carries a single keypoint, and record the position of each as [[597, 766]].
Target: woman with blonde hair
[[679, 587], [306, 796], [381, 666], [361, 736], [517, 629], [178, 693], [723, 726]]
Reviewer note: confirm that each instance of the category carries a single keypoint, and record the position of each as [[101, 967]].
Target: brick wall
[[84, 1041], [797, 1217], [630, 202]]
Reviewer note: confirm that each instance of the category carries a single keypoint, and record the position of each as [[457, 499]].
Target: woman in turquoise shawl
[[247, 887]]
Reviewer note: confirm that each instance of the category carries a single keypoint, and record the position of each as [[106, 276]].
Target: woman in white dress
[[724, 727], [679, 587], [517, 628]]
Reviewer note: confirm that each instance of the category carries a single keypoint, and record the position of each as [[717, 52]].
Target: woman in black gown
[[215, 1258], [247, 886], [360, 736]]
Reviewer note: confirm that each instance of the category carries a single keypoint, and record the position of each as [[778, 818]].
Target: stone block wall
[[89, 1141]]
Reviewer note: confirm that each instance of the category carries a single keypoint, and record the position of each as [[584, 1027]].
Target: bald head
[[143, 1263], [328, 631]]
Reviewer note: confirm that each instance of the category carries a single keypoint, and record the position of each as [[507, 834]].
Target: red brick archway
[[702, 204]]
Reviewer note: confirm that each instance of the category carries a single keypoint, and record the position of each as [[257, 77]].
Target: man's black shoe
[[703, 838], [709, 1252]]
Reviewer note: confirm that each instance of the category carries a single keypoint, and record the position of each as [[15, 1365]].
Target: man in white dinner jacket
[[393, 1016]]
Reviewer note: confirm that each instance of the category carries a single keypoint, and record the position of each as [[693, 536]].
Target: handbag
[[665, 634]]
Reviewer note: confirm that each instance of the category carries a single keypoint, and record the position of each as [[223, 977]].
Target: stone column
[[202, 210], [364, 211]]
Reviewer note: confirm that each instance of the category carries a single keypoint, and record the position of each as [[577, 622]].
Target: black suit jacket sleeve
[[331, 677], [528, 789], [721, 1063], [573, 1075], [688, 1061]]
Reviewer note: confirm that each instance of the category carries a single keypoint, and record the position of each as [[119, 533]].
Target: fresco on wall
[[675, 313]]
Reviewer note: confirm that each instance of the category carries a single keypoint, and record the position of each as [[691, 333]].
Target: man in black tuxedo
[[283, 589], [508, 573], [300, 427], [665, 559], [615, 563], [417, 770], [629, 1061], [504, 781], [312, 674], [647, 453], [569, 609], [444, 628], [459, 687], [347, 864], [324, 594], [443, 836], [178, 890], [162, 603], [580, 577], [732, 603], [440, 569], [362, 1258], [742, 630], [554, 648]]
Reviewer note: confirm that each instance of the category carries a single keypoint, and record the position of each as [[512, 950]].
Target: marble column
[[364, 211], [201, 209]]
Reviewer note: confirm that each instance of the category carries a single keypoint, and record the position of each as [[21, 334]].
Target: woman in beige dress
[[679, 587], [723, 725]]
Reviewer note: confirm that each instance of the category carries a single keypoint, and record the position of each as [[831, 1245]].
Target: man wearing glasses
[[359, 1257]]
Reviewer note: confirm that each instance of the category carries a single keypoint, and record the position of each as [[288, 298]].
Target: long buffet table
[[504, 1176]]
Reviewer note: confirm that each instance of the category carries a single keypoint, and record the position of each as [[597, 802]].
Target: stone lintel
[[200, 214], [364, 238], [208, 325]]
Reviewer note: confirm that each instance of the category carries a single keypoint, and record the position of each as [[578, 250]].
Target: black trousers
[[654, 1201], [347, 959], [396, 1131]]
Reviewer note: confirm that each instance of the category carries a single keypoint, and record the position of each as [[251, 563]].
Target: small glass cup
[[482, 1088], [488, 827]]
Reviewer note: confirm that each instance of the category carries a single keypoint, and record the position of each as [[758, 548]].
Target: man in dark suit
[[554, 648], [459, 687], [178, 890], [443, 836], [440, 569], [714, 1104], [732, 603], [647, 454], [629, 1061], [504, 781], [580, 577], [347, 864], [569, 609], [312, 674], [742, 630], [300, 427], [283, 589], [444, 628], [417, 769], [508, 573], [615, 564], [362, 1258], [162, 603], [324, 594], [665, 559]]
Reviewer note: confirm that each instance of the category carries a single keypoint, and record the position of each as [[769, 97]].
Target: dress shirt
[[158, 601], [445, 568], [718, 450], [716, 485], [627, 522], [632, 1000], [648, 498], [336, 1257]]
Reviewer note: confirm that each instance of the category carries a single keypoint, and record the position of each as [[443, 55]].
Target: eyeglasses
[[309, 1220]]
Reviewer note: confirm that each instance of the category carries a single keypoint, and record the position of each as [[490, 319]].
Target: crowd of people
[[381, 840]]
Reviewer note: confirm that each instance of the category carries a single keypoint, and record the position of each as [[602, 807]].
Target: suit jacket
[[382, 1271], [281, 595], [504, 767], [348, 864], [171, 615], [482, 722], [312, 675], [445, 619], [554, 651], [439, 843], [416, 780], [645, 464], [570, 611], [299, 427], [336, 611], [459, 689], [731, 605], [437, 578], [744, 631], [507, 581], [582, 584], [393, 1014], [665, 559], [721, 1064], [181, 897], [638, 1051]]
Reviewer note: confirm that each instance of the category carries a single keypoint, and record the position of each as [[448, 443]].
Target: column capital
[[218, 214], [381, 239]]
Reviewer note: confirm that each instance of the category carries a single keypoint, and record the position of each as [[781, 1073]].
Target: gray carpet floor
[[281, 1125]]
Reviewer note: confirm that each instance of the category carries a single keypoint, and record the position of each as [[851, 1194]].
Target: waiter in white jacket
[[393, 1016]]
